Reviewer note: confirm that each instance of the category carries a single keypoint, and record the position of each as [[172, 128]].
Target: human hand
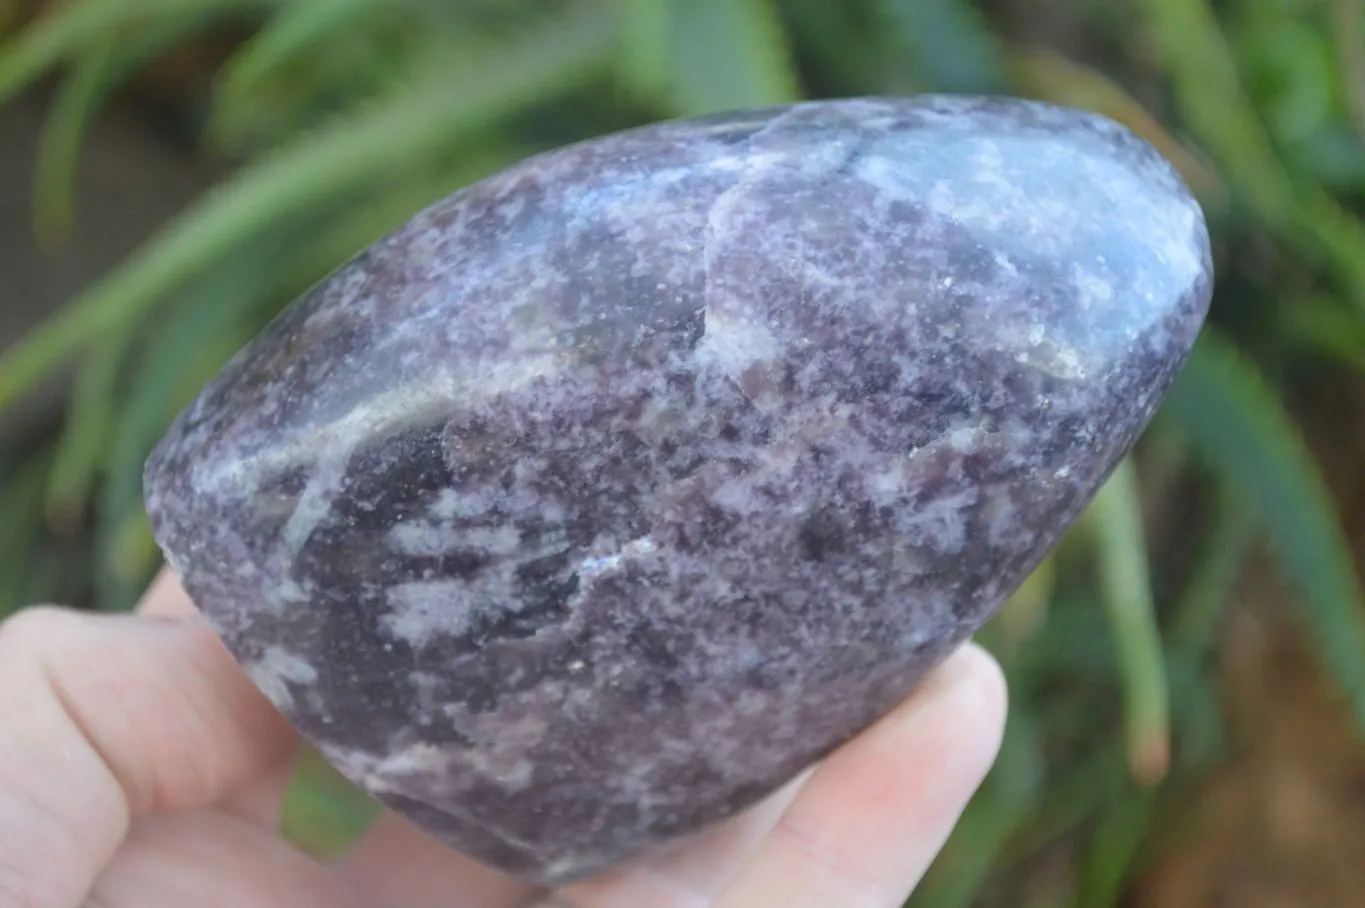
[[139, 768]]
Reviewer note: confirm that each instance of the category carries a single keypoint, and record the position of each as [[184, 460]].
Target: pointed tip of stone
[[608, 493]]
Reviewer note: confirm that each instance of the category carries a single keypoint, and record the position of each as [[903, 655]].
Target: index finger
[[875, 814], [166, 598], [109, 717]]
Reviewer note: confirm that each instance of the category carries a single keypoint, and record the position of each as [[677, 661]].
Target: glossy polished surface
[[612, 491]]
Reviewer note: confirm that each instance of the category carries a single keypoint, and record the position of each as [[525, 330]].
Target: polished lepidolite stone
[[612, 491]]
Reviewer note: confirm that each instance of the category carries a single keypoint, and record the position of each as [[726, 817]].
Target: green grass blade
[[1115, 518], [71, 28], [1217, 568], [130, 549], [1236, 424], [1112, 849], [728, 54], [848, 53], [21, 503], [1198, 717], [1324, 327], [949, 41], [1209, 90], [1339, 238], [1023, 615], [408, 127], [1198, 722], [90, 419], [1002, 803], [54, 189], [97, 73], [1070, 800], [323, 814], [1348, 26], [1214, 103], [311, 60], [643, 62], [297, 29]]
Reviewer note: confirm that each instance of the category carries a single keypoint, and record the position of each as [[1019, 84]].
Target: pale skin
[[140, 769]]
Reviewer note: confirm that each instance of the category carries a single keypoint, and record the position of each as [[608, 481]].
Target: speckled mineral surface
[[610, 492]]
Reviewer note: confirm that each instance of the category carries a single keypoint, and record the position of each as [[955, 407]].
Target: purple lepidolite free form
[[610, 492]]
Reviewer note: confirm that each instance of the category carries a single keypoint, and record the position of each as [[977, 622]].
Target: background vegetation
[[337, 119]]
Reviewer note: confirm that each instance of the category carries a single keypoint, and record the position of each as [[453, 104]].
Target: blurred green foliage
[[343, 117]]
